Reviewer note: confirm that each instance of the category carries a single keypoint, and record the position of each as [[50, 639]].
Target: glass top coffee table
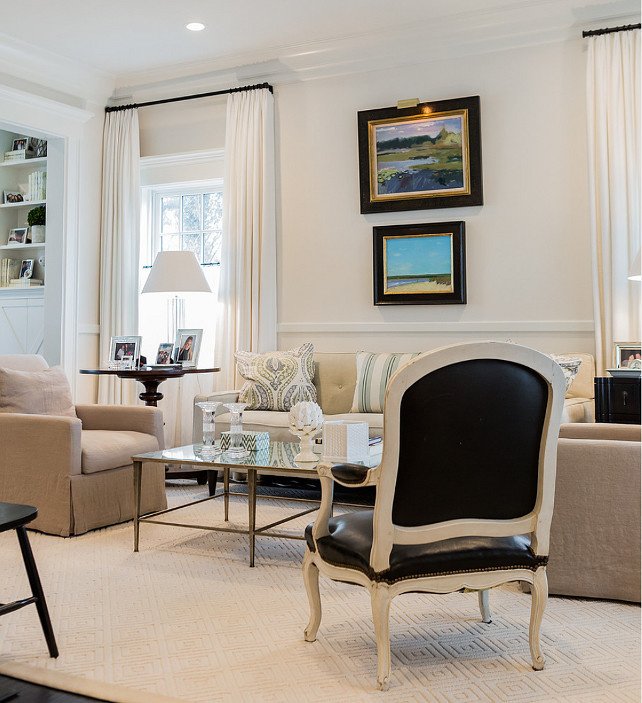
[[277, 460]]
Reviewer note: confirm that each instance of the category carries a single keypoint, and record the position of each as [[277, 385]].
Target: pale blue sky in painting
[[418, 128], [413, 256]]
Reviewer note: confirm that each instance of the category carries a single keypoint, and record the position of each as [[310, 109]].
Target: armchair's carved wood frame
[[386, 533]]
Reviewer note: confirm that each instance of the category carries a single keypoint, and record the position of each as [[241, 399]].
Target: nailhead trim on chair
[[380, 577]]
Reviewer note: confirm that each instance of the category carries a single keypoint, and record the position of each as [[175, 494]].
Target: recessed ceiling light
[[195, 26]]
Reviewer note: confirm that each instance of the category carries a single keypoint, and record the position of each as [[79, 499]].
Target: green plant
[[37, 216]]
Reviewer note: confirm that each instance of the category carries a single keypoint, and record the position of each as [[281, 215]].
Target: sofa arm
[[600, 430], [217, 397], [135, 418]]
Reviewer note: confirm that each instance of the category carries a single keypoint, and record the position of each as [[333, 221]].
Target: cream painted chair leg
[[484, 605], [311, 581], [380, 600], [539, 591]]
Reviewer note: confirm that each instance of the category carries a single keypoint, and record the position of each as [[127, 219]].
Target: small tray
[[625, 373]]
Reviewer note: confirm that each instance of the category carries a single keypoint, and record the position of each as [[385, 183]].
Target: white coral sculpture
[[305, 420]]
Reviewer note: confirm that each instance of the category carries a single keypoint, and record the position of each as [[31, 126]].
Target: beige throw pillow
[[277, 380], [44, 392]]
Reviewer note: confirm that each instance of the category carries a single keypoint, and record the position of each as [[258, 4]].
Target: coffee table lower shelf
[[253, 530]]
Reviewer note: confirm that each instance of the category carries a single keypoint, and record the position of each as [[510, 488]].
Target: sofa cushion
[[109, 449], [277, 380], [373, 373], [44, 392]]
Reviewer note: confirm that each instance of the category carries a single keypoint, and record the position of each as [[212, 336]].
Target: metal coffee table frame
[[276, 464]]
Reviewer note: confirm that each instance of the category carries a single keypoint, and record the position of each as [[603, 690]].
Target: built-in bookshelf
[[23, 186]]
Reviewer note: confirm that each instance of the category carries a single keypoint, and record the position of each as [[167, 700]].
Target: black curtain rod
[[258, 86], [608, 30]]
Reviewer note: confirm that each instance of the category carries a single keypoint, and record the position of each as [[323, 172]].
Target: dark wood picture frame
[[444, 132], [400, 276]]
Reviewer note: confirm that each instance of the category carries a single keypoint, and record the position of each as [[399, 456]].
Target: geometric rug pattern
[[187, 618]]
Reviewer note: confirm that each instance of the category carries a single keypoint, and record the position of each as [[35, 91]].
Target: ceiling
[[138, 41]]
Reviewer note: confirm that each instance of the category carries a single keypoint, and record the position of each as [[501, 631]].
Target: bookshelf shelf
[[25, 203], [24, 162]]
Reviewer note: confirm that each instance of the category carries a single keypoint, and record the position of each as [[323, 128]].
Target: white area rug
[[187, 618]]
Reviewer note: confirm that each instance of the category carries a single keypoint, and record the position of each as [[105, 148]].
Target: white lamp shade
[[176, 272]]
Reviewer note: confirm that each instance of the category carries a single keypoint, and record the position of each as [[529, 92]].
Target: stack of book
[[24, 282], [38, 185], [15, 155], [9, 270]]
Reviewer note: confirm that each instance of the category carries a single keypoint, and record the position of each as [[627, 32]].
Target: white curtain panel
[[613, 102], [119, 244], [247, 288]]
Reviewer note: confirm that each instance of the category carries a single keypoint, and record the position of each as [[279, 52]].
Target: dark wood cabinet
[[617, 399]]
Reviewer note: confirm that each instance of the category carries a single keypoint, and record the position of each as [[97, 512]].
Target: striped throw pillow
[[373, 373]]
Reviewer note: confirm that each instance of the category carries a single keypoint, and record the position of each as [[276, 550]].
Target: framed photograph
[[36, 148], [122, 348], [26, 269], [422, 157], [164, 354], [19, 235], [627, 352], [20, 143], [11, 196], [187, 346], [421, 264]]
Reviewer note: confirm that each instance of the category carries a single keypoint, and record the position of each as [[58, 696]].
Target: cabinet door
[[35, 326], [14, 324]]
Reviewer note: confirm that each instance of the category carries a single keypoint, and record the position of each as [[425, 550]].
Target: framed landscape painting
[[421, 264], [422, 157]]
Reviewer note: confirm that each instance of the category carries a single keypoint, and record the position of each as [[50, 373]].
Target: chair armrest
[[600, 430], [351, 475], [37, 448], [135, 418]]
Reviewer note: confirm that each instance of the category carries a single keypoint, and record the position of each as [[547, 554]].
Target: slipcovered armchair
[[73, 463], [465, 487]]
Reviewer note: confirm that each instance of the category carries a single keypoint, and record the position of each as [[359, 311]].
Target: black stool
[[15, 517]]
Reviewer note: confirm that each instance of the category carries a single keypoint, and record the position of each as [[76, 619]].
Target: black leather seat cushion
[[350, 541]]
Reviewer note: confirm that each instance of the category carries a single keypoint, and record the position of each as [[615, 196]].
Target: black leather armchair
[[465, 487]]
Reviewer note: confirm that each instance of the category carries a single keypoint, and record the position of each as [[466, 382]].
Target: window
[[185, 217], [178, 217]]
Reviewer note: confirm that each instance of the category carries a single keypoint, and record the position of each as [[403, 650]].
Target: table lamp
[[176, 272]]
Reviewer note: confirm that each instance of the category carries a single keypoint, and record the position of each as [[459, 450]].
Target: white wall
[[528, 253]]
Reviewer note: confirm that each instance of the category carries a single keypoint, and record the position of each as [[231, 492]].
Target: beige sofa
[[335, 379], [77, 470], [595, 532]]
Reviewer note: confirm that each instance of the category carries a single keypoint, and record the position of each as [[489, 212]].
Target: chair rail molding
[[467, 327]]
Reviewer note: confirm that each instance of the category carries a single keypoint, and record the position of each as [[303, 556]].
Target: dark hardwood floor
[[14, 690]]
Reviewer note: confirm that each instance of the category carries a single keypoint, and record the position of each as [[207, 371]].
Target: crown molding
[[498, 28], [31, 107], [52, 75]]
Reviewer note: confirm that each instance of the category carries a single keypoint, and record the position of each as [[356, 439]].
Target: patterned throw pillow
[[570, 366], [373, 373], [277, 380]]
